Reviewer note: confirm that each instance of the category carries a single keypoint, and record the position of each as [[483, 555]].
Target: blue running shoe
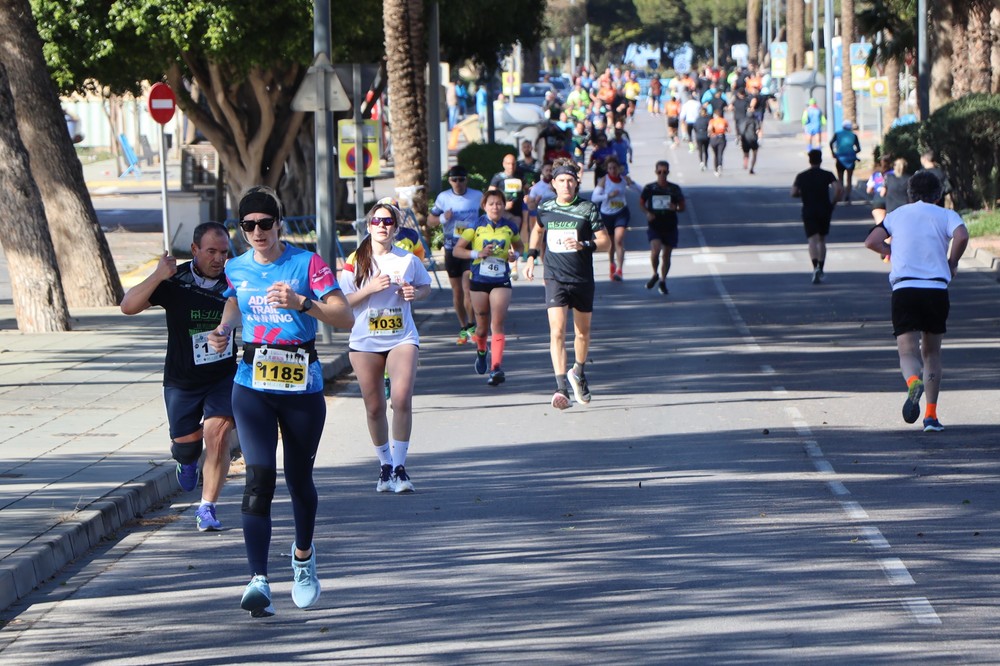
[[481, 362], [205, 517], [932, 425], [257, 598], [187, 476], [911, 408], [305, 589], [497, 377]]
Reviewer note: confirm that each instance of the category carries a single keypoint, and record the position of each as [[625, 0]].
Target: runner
[[381, 285], [672, 109], [813, 121], [279, 385], [702, 134], [654, 92], [845, 148], [690, 112], [661, 201], [611, 193], [813, 186], [570, 230], [717, 130], [922, 269], [197, 382], [750, 141], [631, 90], [490, 243], [602, 151], [454, 209]]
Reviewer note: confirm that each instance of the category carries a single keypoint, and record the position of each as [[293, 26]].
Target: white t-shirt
[[690, 111], [920, 235], [384, 320], [611, 195]]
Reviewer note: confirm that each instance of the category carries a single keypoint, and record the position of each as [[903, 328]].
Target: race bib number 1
[[203, 352], [387, 321], [280, 370]]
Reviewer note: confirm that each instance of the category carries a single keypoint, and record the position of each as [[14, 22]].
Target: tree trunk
[[980, 46], [405, 60], [892, 73], [961, 81], [84, 259], [847, 78], [39, 304], [796, 19], [753, 30]]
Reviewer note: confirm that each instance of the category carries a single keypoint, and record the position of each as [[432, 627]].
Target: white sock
[[384, 456], [399, 453], [205, 502]]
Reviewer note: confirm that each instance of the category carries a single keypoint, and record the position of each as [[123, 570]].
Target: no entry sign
[[161, 103]]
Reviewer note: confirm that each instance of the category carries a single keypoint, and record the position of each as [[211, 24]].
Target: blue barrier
[[130, 156]]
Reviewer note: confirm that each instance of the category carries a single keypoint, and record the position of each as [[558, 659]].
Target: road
[[741, 490]]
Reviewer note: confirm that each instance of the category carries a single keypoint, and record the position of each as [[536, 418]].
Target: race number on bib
[[660, 202], [556, 239], [387, 321], [616, 204], [493, 267], [203, 352], [280, 370]]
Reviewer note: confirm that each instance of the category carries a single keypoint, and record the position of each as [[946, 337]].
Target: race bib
[[616, 204], [493, 267], [556, 239], [203, 352], [512, 187], [280, 370], [387, 321], [660, 202]]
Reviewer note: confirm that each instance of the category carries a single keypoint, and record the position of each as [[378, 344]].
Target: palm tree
[[980, 45], [406, 58], [847, 38], [753, 29], [795, 18], [895, 22]]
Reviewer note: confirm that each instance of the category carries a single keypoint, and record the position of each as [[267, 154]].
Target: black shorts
[[924, 310], [666, 235], [817, 225], [747, 146], [615, 220], [187, 407], [576, 295], [673, 122], [487, 287], [454, 266]]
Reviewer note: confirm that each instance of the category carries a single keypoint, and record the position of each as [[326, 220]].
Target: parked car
[[534, 93]]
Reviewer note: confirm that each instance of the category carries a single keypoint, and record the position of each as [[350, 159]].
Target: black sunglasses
[[265, 224], [457, 179]]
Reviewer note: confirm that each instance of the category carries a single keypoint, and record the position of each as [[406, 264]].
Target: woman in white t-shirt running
[[381, 283]]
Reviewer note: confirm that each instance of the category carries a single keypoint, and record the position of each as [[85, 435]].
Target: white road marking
[[776, 257], [709, 258], [921, 610], [896, 571], [874, 537], [854, 510], [823, 467], [838, 488]]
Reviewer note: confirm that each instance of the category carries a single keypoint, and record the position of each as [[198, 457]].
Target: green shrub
[[901, 141], [965, 134], [983, 223], [482, 160]]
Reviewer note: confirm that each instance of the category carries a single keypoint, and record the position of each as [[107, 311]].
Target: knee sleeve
[[259, 490], [186, 453]]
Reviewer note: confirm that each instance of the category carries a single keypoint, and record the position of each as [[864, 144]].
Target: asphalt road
[[742, 488]]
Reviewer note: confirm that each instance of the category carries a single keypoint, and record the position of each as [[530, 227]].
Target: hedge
[[901, 141], [483, 160]]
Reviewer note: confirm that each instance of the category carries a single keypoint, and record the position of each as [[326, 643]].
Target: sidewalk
[[84, 437]]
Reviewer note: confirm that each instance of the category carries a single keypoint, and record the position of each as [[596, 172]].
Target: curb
[[46, 555]]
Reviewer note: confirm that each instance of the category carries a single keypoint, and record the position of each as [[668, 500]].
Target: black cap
[[458, 171]]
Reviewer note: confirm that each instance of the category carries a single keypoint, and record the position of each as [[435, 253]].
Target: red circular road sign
[[161, 103], [352, 159]]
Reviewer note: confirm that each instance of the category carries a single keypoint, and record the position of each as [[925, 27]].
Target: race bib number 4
[[387, 321], [556, 239], [280, 370], [203, 352]]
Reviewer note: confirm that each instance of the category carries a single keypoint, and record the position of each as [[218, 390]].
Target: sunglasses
[[382, 222], [457, 179], [265, 224], [662, 173]]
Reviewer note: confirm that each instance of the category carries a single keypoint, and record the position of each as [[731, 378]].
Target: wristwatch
[[306, 305]]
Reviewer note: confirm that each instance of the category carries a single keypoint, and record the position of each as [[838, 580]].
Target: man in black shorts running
[[570, 231], [661, 201], [197, 381], [813, 187]]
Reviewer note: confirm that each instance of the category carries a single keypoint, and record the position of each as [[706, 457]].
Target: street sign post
[[162, 105]]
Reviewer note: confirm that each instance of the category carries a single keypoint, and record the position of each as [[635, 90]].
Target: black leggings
[[301, 418], [703, 151], [718, 147]]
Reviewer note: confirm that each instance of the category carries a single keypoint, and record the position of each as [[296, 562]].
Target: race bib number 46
[[387, 321], [280, 370]]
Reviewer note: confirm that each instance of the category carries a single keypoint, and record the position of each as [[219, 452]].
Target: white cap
[[848, 125]]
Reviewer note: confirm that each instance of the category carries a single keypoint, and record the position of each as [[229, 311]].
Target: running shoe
[[496, 377], [206, 520], [465, 334], [911, 408], [617, 277], [581, 391], [306, 588], [481, 362], [651, 282], [663, 287], [401, 480], [384, 484], [932, 425], [611, 271], [257, 598], [187, 476], [560, 399], [818, 277]]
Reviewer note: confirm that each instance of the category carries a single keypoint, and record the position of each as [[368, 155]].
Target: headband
[[560, 171], [259, 202]]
